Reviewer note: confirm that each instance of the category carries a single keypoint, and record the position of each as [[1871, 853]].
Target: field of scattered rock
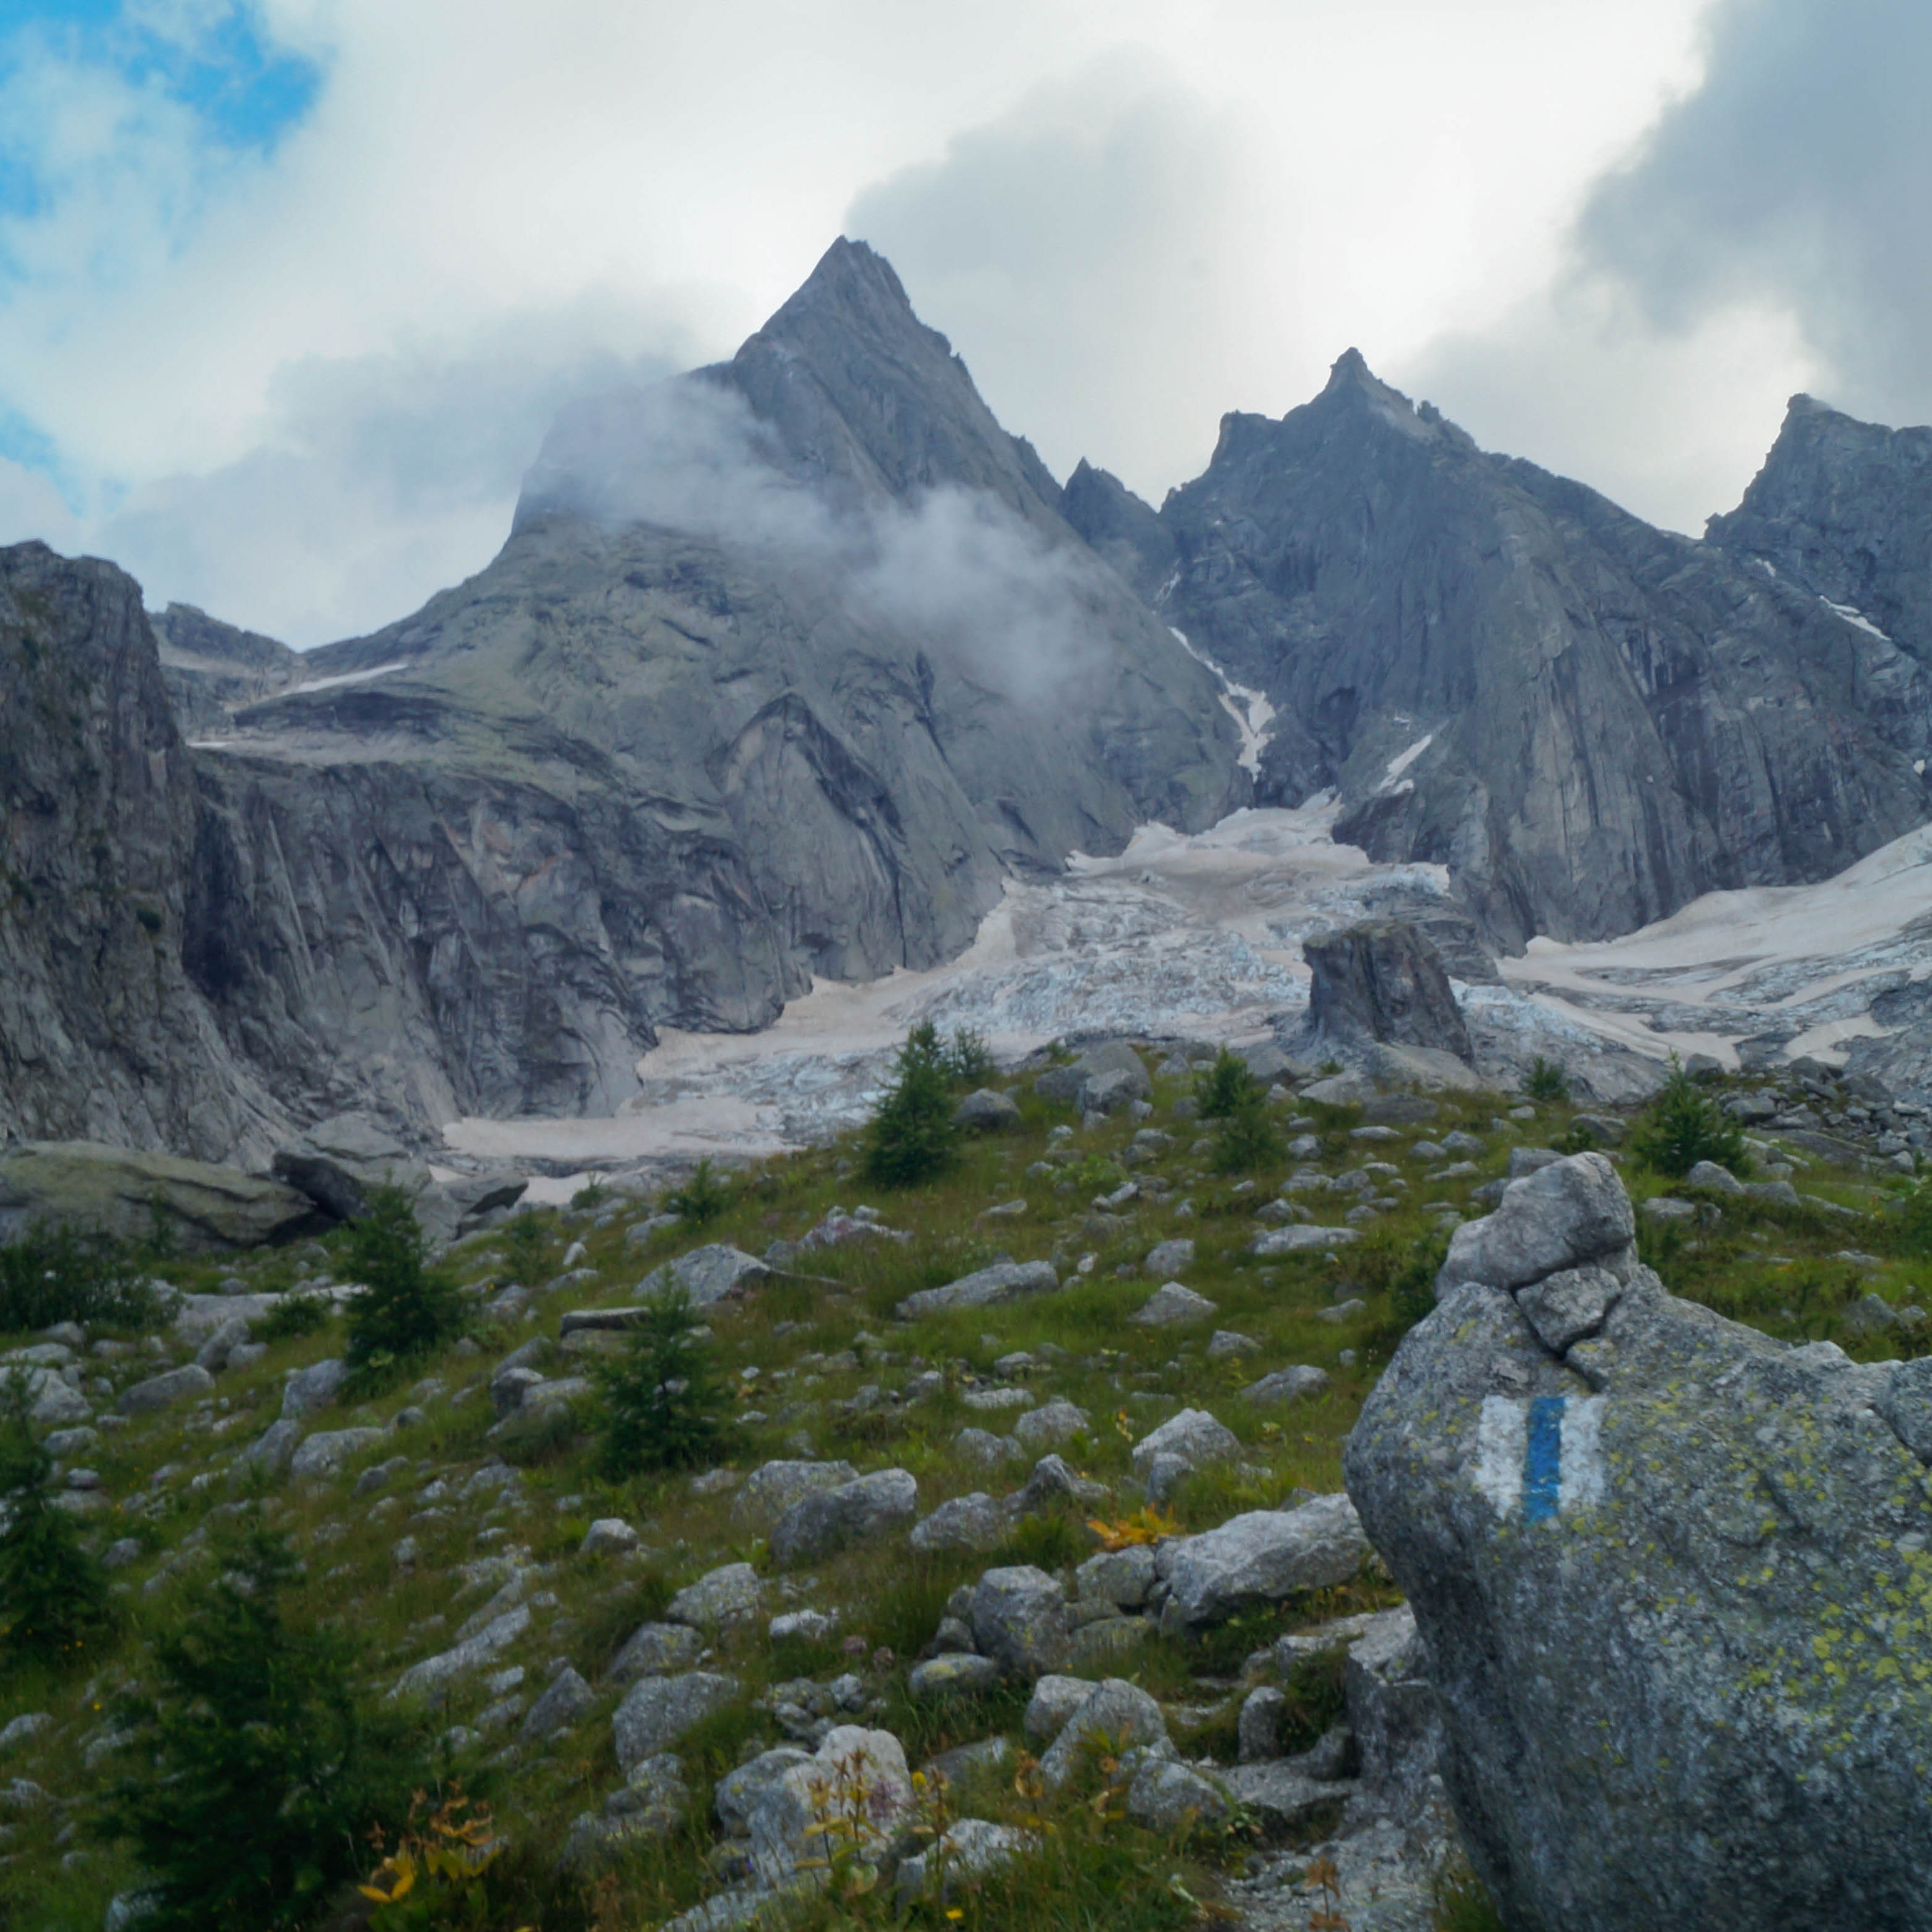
[[1028, 1589]]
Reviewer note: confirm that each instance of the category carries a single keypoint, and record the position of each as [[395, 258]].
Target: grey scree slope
[[1673, 1581]]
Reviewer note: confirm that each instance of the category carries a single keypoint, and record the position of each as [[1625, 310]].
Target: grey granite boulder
[[974, 1522], [1018, 1617], [308, 1390], [324, 1453], [1194, 1435], [773, 1488], [1114, 1715], [710, 1274], [98, 1189], [1384, 981], [721, 1599], [987, 1111], [1668, 1574], [1289, 1384], [858, 1773], [567, 1699], [986, 1288], [1574, 1211], [1049, 1425], [655, 1650], [952, 1673], [1260, 1558], [429, 1677], [164, 1390], [1165, 1258], [658, 1710], [867, 1508], [1171, 1304]]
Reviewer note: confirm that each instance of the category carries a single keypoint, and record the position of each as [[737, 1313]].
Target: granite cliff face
[[1589, 720], [1844, 509], [103, 1034]]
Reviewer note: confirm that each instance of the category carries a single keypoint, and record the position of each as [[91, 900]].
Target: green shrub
[[50, 1274], [912, 1136], [664, 1405], [1094, 1174], [1247, 1138], [526, 1249], [406, 1306], [1460, 1900], [260, 1770], [53, 1594], [702, 1199], [1546, 1083], [1683, 1125], [1224, 1087], [969, 1061], [295, 1316]]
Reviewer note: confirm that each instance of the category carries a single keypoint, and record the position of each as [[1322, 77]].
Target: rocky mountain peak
[[1842, 509]]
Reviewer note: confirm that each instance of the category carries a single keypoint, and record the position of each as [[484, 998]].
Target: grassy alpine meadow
[[447, 1508]]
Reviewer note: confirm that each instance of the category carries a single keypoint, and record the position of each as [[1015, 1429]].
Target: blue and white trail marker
[[1537, 1458]]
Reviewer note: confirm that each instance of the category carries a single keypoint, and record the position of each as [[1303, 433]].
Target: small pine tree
[[1247, 1138], [969, 1061], [702, 1199], [665, 1405], [526, 1248], [406, 1306], [1226, 1086], [912, 1136], [1546, 1083], [263, 1767], [53, 1593], [1682, 1126]]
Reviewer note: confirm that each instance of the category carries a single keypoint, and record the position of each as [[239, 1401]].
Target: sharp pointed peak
[[1351, 368]]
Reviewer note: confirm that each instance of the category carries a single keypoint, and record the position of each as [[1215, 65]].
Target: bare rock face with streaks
[[1672, 1580], [1588, 721]]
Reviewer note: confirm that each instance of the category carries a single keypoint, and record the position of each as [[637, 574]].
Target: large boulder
[[1670, 1577], [859, 1511], [1112, 1074], [340, 1163], [712, 1272], [658, 1710], [1018, 1617], [773, 1488], [1383, 981], [107, 1190], [1261, 1557], [985, 1287], [856, 1775]]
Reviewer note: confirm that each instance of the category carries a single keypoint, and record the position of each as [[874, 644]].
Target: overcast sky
[[288, 290]]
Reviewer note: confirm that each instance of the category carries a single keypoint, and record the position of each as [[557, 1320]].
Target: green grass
[[1755, 1264]]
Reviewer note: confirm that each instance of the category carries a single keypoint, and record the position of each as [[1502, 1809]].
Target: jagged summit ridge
[[1589, 721]]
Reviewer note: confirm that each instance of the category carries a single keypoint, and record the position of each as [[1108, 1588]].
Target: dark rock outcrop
[[1844, 509], [1670, 1575], [1382, 981], [104, 1036], [1589, 721], [210, 669]]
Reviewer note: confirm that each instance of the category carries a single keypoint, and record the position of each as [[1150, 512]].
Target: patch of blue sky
[[23, 442], [217, 61]]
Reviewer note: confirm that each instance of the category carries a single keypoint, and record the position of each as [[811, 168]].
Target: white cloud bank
[[299, 386]]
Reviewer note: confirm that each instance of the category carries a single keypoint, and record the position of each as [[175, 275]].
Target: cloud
[[1795, 176], [378, 479], [1087, 246], [1130, 214], [956, 568]]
